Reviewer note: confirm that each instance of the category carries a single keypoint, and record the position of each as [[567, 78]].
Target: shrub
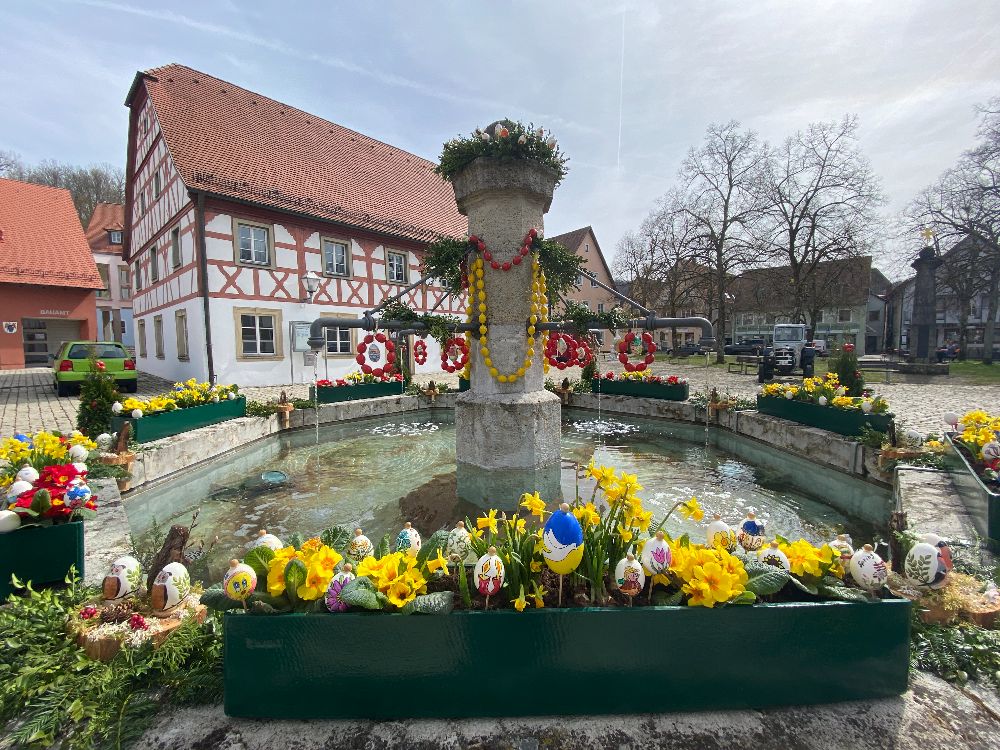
[[97, 394]]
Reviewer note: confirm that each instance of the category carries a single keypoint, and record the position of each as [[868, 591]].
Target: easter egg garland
[[626, 344]]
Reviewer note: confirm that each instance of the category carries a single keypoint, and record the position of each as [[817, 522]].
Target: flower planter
[[463, 385], [638, 388], [166, 423], [982, 503], [847, 422], [570, 661], [335, 394], [40, 554]]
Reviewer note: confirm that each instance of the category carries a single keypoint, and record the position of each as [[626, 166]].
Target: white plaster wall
[[170, 367]]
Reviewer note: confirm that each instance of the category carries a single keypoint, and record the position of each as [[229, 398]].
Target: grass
[[976, 372], [699, 361]]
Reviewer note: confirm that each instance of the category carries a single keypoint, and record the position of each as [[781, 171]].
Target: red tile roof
[[106, 217], [41, 238], [232, 142]]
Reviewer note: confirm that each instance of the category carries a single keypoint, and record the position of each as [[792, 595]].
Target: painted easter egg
[[77, 495], [341, 579], [17, 488], [9, 521], [772, 555], [562, 541], [720, 534], [124, 579], [240, 581], [868, 570], [842, 546], [629, 576], [408, 540], [991, 451], [655, 556], [171, 586], [457, 546], [104, 441], [78, 453], [28, 474], [266, 540], [751, 533], [489, 573], [929, 561], [360, 547]]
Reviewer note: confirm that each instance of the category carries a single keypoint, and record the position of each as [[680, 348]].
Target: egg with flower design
[[720, 534], [656, 555], [751, 533], [868, 569], [337, 583], [458, 544], [360, 547], [408, 540]]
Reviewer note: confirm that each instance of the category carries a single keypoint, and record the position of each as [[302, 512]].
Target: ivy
[[445, 260], [582, 318], [459, 152]]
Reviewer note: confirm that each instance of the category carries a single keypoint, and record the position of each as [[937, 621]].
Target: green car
[[71, 365]]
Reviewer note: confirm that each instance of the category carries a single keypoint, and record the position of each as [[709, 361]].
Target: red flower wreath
[[450, 363], [390, 355], [626, 344], [420, 351]]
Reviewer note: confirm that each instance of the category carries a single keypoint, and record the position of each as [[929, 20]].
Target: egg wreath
[[420, 351], [387, 352], [624, 347]]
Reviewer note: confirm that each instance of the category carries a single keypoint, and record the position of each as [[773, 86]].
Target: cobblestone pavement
[[28, 402]]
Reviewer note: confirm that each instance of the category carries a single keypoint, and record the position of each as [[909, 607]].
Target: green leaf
[[41, 501], [781, 539], [295, 576], [216, 600], [262, 608], [764, 580], [463, 585], [361, 593], [296, 540], [429, 548], [663, 599], [337, 537], [438, 603], [258, 559], [809, 588], [842, 592], [747, 597], [383, 547]]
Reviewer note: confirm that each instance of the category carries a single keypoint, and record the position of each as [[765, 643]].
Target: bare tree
[[97, 183], [720, 193], [962, 274], [636, 265], [821, 198]]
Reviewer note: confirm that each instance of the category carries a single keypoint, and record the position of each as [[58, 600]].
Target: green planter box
[[847, 422], [463, 385], [594, 660], [40, 554], [982, 503], [636, 388], [338, 393], [164, 424]]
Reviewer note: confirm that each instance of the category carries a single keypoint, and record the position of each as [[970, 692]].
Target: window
[[137, 275], [158, 335], [396, 264], [142, 338], [115, 238], [844, 315], [254, 244], [874, 315], [258, 333], [593, 280], [124, 283], [585, 303], [142, 200], [579, 280], [104, 269], [154, 271], [338, 341], [175, 248], [335, 259], [157, 185], [586, 247], [181, 325], [599, 337], [600, 307]]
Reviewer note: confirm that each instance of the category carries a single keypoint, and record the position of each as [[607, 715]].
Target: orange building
[[583, 242], [47, 275]]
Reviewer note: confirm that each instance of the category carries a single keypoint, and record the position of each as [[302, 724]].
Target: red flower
[[609, 376], [100, 365], [848, 347], [324, 383], [340, 381]]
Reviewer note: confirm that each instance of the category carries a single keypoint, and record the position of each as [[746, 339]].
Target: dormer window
[[115, 237]]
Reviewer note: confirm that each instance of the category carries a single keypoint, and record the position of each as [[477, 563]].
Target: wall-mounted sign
[[10, 326], [300, 336], [62, 313]]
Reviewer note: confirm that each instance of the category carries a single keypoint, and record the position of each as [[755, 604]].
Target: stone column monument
[[507, 434], [923, 329]]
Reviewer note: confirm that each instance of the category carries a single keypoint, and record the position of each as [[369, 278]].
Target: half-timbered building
[[232, 198]]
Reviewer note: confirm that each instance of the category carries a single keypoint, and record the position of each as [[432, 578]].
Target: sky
[[627, 87]]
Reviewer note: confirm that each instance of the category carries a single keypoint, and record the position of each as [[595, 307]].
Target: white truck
[[788, 342]]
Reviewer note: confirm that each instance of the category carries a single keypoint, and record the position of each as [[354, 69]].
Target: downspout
[[199, 213]]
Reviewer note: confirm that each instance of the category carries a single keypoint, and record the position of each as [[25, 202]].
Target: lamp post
[[311, 281]]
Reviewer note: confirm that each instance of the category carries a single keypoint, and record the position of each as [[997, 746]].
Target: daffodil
[[604, 475], [533, 503], [631, 481], [625, 533], [536, 566], [539, 594], [438, 563], [691, 510], [488, 521], [520, 603]]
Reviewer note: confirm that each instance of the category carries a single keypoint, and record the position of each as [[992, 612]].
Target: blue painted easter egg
[[562, 541]]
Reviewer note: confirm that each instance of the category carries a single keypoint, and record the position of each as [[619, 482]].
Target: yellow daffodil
[[604, 475], [536, 566], [625, 533], [539, 595], [488, 521], [691, 510], [631, 481], [520, 603], [533, 503], [437, 563]]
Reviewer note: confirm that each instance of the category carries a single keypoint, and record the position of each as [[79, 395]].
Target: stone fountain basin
[[563, 661]]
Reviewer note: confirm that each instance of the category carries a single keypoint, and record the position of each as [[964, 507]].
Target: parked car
[[748, 346], [686, 350], [71, 365]]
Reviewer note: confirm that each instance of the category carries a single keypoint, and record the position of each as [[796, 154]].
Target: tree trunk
[[992, 315], [720, 330], [963, 325]]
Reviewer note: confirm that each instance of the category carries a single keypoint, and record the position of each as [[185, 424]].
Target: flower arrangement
[[359, 378], [826, 391], [515, 562], [57, 494], [40, 450], [184, 396], [505, 140], [642, 376], [979, 438]]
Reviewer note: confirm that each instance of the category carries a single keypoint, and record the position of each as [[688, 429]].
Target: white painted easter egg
[[28, 474], [9, 521], [124, 578], [772, 555], [720, 534], [360, 547], [266, 540], [655, 555], [751, 533], [629, 576], [489, 573], [929, 561], [240, 581], [408, 540], [868, 569], [171, 586], [17, 488], [458, 544]]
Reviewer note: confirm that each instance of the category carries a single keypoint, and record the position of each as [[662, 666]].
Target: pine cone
[[119, 612]]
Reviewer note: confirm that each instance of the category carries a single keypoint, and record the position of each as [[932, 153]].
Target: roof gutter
[[199, 214]]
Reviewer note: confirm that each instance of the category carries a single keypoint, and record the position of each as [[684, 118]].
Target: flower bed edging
[[982, 504], [847, 422], [638, 388], [336, 394], [168, 423], [564, 661], [40, 554]]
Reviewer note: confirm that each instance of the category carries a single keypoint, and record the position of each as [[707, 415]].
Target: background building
[[114, 301], [47, 275], [232, 198], [584, 243]]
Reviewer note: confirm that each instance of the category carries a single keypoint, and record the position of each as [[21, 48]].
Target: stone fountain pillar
[[507, 434]]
